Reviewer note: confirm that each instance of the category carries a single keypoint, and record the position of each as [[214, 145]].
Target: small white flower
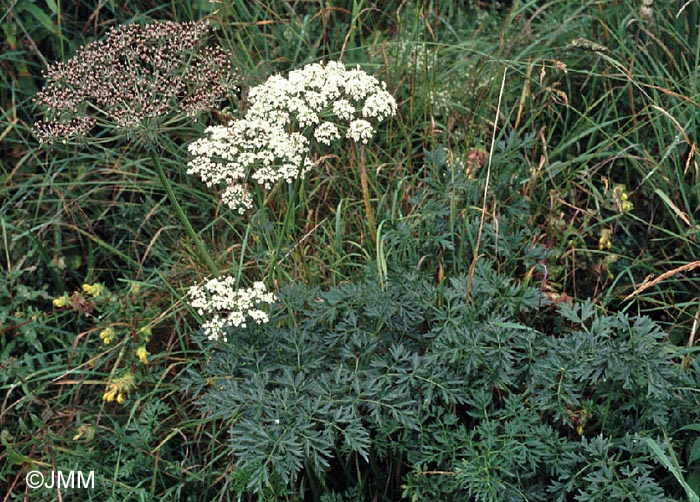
[[379, 106], [360, 131], [227, 306], [307, 117], [237, 198], [326, 133], [316, 100], [343, 109]]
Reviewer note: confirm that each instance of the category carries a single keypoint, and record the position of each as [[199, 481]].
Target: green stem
[[183, 218], [369, 214], [289, 214]]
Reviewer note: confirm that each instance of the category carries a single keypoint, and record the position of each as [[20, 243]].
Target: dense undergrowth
[[495, 299]]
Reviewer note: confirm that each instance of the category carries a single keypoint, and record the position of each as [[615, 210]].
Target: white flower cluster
[[228, 306], [320, 96], [229, 154], [273, 141], [646, 11]]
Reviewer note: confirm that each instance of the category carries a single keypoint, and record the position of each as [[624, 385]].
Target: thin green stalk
[[369, 214], [183, 218], [472, 267], [287, 225]]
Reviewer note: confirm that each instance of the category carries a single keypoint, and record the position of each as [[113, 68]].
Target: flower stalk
[[369, 213], [201, 248]]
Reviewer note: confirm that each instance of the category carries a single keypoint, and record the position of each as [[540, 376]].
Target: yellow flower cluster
[[106, 335], [119, 387], [94, 290], [146, 332], [61, 301], [622, 198], [142, 354], [605, 241], [85, 432]]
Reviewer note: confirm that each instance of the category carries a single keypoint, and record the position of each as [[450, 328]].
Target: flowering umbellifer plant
[[139, 80], [287, 118]]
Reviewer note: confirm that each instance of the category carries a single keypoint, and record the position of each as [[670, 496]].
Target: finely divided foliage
[[467, 403], [287, 122]]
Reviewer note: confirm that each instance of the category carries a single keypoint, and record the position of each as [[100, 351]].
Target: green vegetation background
[[480, 330]]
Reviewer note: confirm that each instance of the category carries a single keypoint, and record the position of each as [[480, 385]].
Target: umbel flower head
[[287, 118], [227, 306], [139, 79]]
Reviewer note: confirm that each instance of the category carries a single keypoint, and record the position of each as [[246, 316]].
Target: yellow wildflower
[[604, 242], [86, 432], [134, 287], [622, 198], [93, 290], [142, 354], [117, 388], [106, 335], [61, 301]]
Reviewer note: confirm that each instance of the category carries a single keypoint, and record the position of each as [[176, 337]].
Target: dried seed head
[[137, 79]]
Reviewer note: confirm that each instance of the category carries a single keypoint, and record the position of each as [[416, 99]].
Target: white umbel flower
[[326, 133], [330, 92], [379, 107], [237, 198], [272, 142], [360, 131], [264, 152], [343, 109], [228, 307]]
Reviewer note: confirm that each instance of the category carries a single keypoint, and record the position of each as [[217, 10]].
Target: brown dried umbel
[[139, 80]]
